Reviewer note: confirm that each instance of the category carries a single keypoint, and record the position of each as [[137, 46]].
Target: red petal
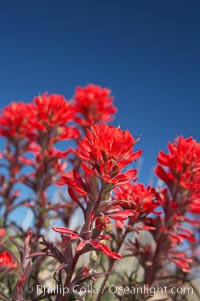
[[80, 190], [136, 155], [104, 249], [26, 160], [161, 173], [73, 234], [122, 215], [81, 245], [126, 176], [68, 180], [190, 238], [87, 169], [77, 177], [73, 195]]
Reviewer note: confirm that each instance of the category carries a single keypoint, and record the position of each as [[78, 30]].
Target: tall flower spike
[[93, 104], [106, 151]]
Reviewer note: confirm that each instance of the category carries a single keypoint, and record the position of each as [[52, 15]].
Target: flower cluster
[[32, 131], [15, 121], [136, 196], [183, 163], [106, 151], [156, 227], [93, 104], [182, 173], [53, 115]]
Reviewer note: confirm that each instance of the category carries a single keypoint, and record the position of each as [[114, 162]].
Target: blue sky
[[147, 52]]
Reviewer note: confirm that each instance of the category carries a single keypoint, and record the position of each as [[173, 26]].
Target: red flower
[[182, 162], [15, 121], [52, 113], [106, 150], [93, 242], [136, 197], [94, 104], [182, 173], [6, 260]]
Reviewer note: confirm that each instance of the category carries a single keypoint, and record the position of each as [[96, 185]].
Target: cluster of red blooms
[[47, 114], [107, 150], [94, 104], [15, 121], [183, 172], [138, 197], [100, 183], [32, 131]]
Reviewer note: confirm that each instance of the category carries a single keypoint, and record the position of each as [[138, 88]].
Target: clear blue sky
[[147, 52]]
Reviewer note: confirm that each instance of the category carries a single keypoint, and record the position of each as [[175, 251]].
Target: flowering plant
[[107, 234]]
